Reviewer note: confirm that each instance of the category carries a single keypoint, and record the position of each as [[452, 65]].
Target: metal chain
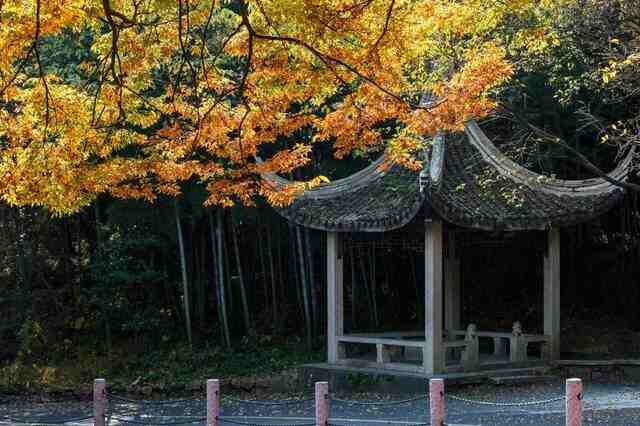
[[143, 402], [50, 422], [505, 404], [235, 422], [390, 422], [140, 422], [404, 401], [255, 402]]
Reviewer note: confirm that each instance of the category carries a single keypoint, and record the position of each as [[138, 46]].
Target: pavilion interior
[[383, 279]]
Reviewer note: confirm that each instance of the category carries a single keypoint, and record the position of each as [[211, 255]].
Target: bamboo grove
[[133, 200]]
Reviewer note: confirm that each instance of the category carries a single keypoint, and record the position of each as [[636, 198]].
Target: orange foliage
[[183, 90]]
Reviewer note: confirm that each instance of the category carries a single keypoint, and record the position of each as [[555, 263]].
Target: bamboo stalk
[[367, 289], [216, 240], [272, 273], [183, 267], [243, 292], [263, 269], [312, 287], [353, 288], [305, 288], [294, 269], [374, 289]]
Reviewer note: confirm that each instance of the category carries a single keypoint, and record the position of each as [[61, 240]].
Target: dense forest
[[137, 260]]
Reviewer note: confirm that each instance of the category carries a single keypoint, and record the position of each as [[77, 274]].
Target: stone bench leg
[[382, 354], [499, 347], [518, 349], [470, 356], [342, 351]]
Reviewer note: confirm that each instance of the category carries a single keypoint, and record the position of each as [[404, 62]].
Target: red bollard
[[213, 402], [574, 402], [322, 403], [436, 401], [99, 386]]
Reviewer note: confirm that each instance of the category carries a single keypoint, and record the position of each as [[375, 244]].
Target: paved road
[[604, 405]]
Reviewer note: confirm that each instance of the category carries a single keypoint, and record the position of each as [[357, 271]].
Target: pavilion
[[443, 198]]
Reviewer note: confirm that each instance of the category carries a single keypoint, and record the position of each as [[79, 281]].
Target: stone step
[[521, 380]]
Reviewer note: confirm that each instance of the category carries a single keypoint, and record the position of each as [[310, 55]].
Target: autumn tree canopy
[[132, 97]]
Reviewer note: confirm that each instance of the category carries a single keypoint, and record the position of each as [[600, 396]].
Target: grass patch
[[170, 368]]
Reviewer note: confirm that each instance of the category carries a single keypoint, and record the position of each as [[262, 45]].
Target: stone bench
[[410, 349], [518, 341]]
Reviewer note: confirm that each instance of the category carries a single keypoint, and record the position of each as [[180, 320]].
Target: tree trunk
[[374, 286], [295, 281], [354, 313], [312, 288], [216, 272], [222, 276], [243, 292], [263, 269], [202, 280], [217, 244], [365, 281], [274, 295], [98, 218], [280, 275], [414, 278], [304, 287], [227, 266], [183, 267], [99, 247]]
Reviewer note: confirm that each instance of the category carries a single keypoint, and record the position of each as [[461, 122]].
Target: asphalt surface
[[604, 404]]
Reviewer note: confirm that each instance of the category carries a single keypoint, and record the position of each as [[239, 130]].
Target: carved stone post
[[518, 344], [471, 355]]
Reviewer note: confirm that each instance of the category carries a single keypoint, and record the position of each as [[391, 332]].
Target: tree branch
[[386, 27], [580, 158], [327, 60], [23, 64]]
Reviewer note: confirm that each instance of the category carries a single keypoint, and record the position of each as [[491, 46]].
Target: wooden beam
[[433, 353], [335, 297], [552, 293]]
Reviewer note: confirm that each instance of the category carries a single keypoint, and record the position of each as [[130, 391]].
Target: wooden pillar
[[552, 293], [433, 354], [452, 285], [335, 296]]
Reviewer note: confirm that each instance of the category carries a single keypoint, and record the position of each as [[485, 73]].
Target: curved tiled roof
[[468, 182], [474, 194], [375, 201]]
